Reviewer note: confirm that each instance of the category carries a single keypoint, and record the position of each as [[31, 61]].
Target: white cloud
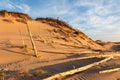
[[6, 5], [10, 5], [23, 7], [102, 19]]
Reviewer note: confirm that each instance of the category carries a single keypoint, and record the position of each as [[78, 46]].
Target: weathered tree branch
[[71, 72], [32, 41], [110, 70]]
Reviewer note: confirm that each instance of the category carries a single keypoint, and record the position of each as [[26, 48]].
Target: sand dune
[[56, 43]]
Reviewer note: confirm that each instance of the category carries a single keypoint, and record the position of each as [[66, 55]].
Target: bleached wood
[[31, 38], [71, 72], [110, 70]]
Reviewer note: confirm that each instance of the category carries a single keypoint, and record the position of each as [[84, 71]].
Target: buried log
[[110, 70], [71, 72]]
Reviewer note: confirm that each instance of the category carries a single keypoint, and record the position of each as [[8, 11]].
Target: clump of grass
[[118, 79], [9, 43], [40, 72], [24, 47], [21, 20], [7, 20], [23, 72], [24, 75], [11, 78], [2, 74], [35, 36], [112, 65]]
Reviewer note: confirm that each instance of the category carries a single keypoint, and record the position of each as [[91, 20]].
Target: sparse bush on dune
[[109, 65], [100, 42], [5, 13], [2, 74], [118, 79], [21, 20], [41, 72], [112, 65], [60, 24], [54, 22], [59, 27], [9, 43], [11, 78], [8, 20], [24, 48]]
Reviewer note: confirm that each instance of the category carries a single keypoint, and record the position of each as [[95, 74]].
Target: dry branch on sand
[[110, 70], [71, 72]]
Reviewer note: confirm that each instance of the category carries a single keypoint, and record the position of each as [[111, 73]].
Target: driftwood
[[90, 57], [71, 72], [110, 70], [83, 58], [31, 38]]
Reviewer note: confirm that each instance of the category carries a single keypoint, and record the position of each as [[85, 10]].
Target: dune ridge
[[60, 48]]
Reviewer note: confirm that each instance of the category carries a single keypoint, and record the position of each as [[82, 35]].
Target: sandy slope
[[10, 36], [55, 47], [50, 49], [7, 56]]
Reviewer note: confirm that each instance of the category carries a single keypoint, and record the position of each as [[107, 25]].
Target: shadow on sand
[[62, 67], [116, 47], [23, 53]]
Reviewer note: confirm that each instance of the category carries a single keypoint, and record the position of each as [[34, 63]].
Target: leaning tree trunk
[[32, 41]]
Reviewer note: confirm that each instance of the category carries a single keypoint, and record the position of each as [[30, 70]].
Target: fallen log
[[83, 58], [71, 72], [110, 70]]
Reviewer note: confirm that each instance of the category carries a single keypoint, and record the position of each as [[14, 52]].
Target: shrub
[[8, 20], [40, 72]]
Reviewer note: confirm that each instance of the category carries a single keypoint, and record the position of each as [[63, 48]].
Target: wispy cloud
[[23, 7], [102, 20], [17, 6], [5, 5]]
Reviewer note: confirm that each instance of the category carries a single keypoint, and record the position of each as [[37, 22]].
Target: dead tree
[[31, 38]]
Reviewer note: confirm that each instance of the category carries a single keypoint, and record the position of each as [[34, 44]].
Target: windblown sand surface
[[56, 47]]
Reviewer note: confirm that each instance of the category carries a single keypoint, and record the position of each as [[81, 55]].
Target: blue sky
[[99, 19]]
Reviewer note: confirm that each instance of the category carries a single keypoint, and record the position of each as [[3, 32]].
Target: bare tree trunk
[[32, 41]]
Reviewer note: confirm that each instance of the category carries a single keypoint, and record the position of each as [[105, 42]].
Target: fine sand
[[55, 49]]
